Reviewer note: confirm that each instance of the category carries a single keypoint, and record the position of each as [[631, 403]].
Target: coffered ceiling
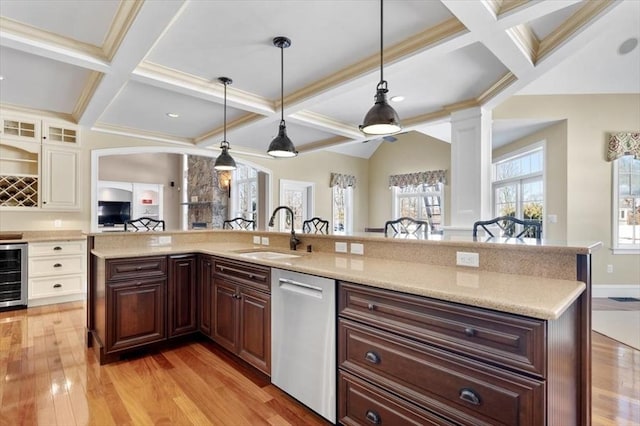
[[121, 66]]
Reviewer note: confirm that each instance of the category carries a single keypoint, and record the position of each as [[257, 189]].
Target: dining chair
[[144, 224], [405, 225], [315, 225], [239, 223], [510, 227]]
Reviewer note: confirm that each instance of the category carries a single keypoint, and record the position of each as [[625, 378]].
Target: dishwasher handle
[[302, 288]]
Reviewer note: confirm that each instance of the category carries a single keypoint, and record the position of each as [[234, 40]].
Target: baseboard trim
[[615, 290]]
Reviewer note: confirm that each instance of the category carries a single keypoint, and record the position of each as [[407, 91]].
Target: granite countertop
[[11, 237], [537, 297]]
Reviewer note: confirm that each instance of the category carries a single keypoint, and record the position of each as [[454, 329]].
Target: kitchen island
[[540, 292]]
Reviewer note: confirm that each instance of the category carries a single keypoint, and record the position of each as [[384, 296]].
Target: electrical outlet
[[357, 248], [164, 241], [341, 247], [256, 239], [464, 258], [57, 223], [264, 241], [610, 269]]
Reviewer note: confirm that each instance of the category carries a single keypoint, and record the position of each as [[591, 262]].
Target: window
[[244, 193], [342, 209], [421, 202], [299, 197], [626, 203], [518, 184]]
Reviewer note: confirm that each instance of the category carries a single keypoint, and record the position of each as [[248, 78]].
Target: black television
[[112, 213]]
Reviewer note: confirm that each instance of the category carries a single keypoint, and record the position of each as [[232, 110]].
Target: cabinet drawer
[[362, 403], [464, 390], [55, 286], [139, 267], [52, 248], [502, 339], [56, 265], [254, 275]]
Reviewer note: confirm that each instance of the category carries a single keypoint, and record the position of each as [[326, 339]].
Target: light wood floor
[[48, 377]]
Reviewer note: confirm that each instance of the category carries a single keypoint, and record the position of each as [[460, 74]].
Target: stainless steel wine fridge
[[13, 275]]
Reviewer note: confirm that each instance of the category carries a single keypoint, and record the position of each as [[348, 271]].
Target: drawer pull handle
[[372, 357], [371, 306], [58, 265], [57, 285], [469, 396], [56, 248], [138, 268], [373, 417], [469, 332]]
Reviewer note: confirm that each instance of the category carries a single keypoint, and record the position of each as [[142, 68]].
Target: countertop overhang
[[531, 296]]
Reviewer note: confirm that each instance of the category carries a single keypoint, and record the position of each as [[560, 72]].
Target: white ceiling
[[121, 66]]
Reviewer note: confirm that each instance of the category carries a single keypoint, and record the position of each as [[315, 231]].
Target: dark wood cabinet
[[460, 364], [205, 294], [242, 311], [181, 296], [136, 313]]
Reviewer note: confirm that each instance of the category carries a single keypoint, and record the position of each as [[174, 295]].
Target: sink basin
[[268, 255]]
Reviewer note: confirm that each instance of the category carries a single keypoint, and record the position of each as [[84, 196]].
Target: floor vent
[[625, 299]]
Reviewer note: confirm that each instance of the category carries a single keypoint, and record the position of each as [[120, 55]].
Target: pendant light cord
[[225, 112], [381, 44], [281, 84]]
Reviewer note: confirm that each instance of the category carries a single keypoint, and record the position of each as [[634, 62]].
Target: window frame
[[520, 180], [234, 210], [348, 210], [616, 247], [396, 195]]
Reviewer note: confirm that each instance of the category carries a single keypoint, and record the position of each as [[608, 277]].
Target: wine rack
[[18, 191]]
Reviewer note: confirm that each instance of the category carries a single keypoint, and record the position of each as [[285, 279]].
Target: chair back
[[315, 225], [510, 227], [239, 223], [405, 225], [144, 224]]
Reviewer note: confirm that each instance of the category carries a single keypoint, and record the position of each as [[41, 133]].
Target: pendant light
[[381, 119], [281, 145], [224, 160]]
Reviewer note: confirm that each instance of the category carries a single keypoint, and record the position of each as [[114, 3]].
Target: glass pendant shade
[[224, 160], [381, 119], [281, 146]]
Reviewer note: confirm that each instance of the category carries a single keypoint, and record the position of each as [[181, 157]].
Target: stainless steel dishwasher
[[303, 339]]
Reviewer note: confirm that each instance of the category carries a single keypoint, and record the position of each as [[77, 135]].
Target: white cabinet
[[18, 128], [60, 133], [39, 163], [60, 178], [57, 272]]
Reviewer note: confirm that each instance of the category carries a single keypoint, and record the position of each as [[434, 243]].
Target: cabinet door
[[205, 294], [136, 313], [255, 329], [60, 172], [20, 129], [182, 295], [60, 133], [225, 314]]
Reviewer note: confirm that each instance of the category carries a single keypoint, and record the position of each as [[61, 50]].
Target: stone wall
[[208, 203]]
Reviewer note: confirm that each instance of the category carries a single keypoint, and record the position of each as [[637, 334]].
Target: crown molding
[[87, 93], [140, 134], [324, 123], [496, 88], [526, 40], [124, 17], [36, 113], [204, 139]]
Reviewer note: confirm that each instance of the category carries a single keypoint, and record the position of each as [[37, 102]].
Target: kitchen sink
[[268, 255]]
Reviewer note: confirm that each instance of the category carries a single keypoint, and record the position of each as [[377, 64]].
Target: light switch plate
[[357, 248], [265, 241], [256, 239], [341, 247]]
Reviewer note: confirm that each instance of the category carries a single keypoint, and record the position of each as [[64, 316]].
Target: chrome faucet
[[293, 241]]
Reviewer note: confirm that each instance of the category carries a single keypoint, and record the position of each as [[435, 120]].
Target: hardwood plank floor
[[48, 377]]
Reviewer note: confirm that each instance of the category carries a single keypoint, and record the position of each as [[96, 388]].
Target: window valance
[[430, 177], [623, 143], [341, 180]]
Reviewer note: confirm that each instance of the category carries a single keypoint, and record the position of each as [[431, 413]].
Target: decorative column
[[470, 168]]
